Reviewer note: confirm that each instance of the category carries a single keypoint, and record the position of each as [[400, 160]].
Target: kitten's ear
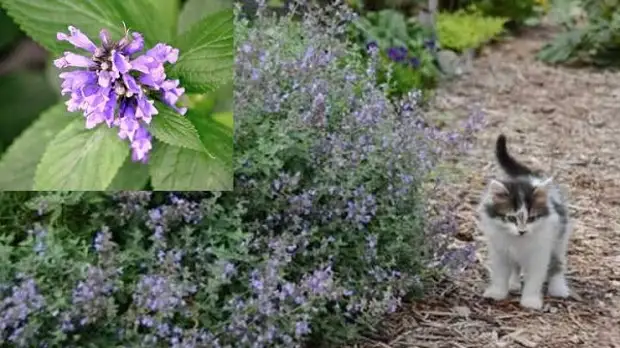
[[498, 190], [540, 192]]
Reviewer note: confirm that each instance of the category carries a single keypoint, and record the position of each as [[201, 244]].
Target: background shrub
[[405, 48], [590, 38], [325, 231], [467, 29]]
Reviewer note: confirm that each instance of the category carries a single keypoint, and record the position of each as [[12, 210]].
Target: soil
[[567, 123]]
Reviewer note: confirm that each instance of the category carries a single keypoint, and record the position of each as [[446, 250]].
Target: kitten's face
[[518, 204]]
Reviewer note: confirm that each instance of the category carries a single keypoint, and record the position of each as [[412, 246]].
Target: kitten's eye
[[531, 218], [512, 219]]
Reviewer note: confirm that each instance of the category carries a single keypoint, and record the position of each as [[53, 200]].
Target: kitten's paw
[[495, 293], [558, 289], [531, 302]]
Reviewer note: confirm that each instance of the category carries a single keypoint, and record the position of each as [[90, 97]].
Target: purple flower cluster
[[15, 311], [400, 54], [91, 298], [116, 84], [39, 234]]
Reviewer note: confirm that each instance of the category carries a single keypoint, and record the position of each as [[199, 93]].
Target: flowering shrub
[[124, 92], [325, 232]]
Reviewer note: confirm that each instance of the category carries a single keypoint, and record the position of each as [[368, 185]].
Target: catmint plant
[[135, 77]]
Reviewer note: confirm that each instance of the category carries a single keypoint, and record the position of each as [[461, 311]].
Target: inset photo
[[116, 95]]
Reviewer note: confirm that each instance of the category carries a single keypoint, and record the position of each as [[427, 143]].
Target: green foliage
[[80, 159], [195, 10], [23, 96], [132, 177], [174, 129], [9, 30], [595, 41], [519, 12], [176, 168], [19, 163], [42, 19], [206, 58], [463, 30], [388, 29]]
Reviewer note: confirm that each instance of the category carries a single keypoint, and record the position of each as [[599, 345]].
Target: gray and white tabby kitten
[[525, 221]]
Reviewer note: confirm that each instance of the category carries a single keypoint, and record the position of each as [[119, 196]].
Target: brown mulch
[[566, 122]]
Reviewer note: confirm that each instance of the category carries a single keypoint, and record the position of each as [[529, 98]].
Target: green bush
[[463, 30], [392, 32], [595, 41], [519, 12]]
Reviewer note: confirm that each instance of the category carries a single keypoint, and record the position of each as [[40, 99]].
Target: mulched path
[[567, 123]]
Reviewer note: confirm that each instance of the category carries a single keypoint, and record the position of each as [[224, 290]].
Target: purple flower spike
[[117, 85]]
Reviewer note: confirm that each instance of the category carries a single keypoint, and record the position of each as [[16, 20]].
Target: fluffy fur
[[525, 221]]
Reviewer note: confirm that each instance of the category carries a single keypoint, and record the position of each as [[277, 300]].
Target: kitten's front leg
[[557, 286], [514, 285], [500, 272], [535, 273]]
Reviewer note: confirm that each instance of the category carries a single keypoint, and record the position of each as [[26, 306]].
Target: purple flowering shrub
[[333, 171]]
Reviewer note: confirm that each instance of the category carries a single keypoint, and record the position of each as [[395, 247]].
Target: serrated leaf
[[19, 163], [206, 53], [132, 176], [80, 159], [175, 129], [194, 10], [42, 19], [216, 133], [175, 168]]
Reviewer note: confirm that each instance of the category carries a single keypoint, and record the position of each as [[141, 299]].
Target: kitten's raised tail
[[507, 162]]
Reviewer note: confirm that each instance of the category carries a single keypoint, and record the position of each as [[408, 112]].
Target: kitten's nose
[[521, 232]]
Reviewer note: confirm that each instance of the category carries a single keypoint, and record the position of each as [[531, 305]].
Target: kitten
[[525, 221]]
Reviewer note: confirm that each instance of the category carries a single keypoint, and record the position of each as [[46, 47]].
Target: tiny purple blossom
[[117, 84]]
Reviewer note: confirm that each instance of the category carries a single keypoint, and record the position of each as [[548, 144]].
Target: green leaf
[[206, 53], [167, 13], [42, 19], [194, 10], [175, 129], [80, 159], [216, 133], [23, 96], [175, 168], [9, 30], [19, 163], [132, 176]]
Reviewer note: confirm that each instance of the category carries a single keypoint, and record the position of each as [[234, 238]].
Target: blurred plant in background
[[591, 33], [467, 29], [406, 50]]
